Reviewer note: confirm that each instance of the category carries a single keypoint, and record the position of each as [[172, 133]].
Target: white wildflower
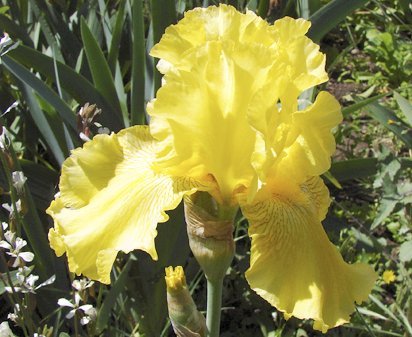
[[19, 256], [83, 137], [13, 246], [26, 282], [6, 44], [4, 139], [5, 40], [89, 315], [5, 330], [16, 313], [103, 131], [82, 284], [85, 308], [10, 208], [19, 179]]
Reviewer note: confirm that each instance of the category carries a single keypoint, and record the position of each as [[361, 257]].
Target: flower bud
[[186, 320], [210, 232]]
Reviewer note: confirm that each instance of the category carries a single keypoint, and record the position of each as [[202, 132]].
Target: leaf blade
[[99, 68], [405, 106], [390, 121], [72, 82], [330, 15], [137, 107]]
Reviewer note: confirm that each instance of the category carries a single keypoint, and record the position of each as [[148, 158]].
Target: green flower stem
[[214, 305]]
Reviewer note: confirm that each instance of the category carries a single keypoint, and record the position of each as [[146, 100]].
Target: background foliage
[[71, 53]]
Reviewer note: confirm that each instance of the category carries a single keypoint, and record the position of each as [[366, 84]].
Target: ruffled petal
[[310, 142], [111, 200], [293, 264], [202, 114], [304, 63], [294, 145], [225, 70], [200, 25], [301, 59], [89, 169]]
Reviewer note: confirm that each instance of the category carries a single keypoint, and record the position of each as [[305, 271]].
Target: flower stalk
[[214, 306], [210, 232]]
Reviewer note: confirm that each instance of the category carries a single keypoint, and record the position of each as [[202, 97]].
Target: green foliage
[[390, 54], [380, 48], [75, 52]]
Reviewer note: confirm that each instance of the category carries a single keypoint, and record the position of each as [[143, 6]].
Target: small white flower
[[4, 244], [85, 320], [15, 315], [6, 44], [63, 302], [19, 244], [14, 245], [90, 315], [19, 179], [22, 256], [15, 250], [10, 236], [10, 208], [8, 243], [83, 137], [82, 284], [4, 139], [88, 311], [103, 131], [5, 330], [12, 317], [5, 40], [31, 281], [27, 282]]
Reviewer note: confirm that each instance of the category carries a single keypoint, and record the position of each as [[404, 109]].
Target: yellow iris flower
[[226, 121]]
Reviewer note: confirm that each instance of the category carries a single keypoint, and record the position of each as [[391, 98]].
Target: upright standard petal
[[310, 142], [304, 63], [111, 200], [293, 144], [201, 114], [202, 25], [293, 264], [251, 69]]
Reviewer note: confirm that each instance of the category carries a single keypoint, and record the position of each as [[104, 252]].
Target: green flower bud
[[210, 232]]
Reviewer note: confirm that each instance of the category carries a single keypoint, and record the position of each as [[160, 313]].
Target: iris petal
[[310, 142], [238, 80], [201, 25], [293, 264], [304, 63], [111, 200], [211, 112], [294, 145]]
